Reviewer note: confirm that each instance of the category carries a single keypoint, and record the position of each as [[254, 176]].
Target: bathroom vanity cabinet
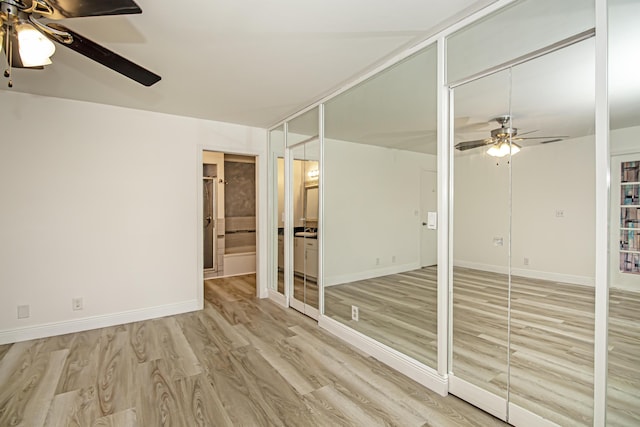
[[305, 256]]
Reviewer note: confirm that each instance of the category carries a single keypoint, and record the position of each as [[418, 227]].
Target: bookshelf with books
[[630, 217]]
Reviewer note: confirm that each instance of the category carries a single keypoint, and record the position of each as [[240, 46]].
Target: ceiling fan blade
[[61, 9], [468, 145], [107, 58]]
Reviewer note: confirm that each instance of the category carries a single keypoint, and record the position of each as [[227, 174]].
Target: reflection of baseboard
[[369, 274], [531, 274], [415, 370]]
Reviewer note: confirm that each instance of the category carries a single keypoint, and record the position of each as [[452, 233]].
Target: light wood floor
[[239, 362], [552, 325]]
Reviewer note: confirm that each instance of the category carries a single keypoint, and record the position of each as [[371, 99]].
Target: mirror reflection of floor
[[399, 310], [305, 290], [552, 336]]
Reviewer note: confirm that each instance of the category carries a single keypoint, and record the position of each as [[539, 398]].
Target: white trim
[[443, 188], [262, 227], [321, 182], [200, 233], [489, 402], [531, 274], [277, 297], [410, 367], [77, 325], [518, 416], [370, 274], [602, 181]]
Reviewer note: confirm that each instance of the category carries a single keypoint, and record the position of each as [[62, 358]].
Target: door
[[429, 218]]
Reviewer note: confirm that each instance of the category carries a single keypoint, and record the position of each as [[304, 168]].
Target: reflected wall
[[380, 256]]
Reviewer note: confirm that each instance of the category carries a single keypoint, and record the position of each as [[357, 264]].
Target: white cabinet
[[305, 256], [298, 255]]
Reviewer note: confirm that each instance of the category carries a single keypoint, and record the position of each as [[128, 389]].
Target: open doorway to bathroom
[[229, 214]]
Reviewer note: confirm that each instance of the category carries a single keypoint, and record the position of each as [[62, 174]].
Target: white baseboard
[[369, 274], [410, 367], [94, 322], [489, 402], [521, 417], [531, 274], [278, 298]]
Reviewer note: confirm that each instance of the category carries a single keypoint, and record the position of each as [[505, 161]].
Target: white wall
[[545, 179], [371, 210], [625, 140], [102, 203]]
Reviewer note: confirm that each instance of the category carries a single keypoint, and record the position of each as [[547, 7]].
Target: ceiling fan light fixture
[[34, 47], [503, 148]]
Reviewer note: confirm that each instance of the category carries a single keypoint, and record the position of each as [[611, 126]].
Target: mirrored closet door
[[623, 381], [304, 165], [524, 238]]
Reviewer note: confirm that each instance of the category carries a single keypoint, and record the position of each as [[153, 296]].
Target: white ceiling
[[247, 61]]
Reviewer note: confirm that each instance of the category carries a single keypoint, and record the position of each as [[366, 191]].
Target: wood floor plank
[[126, 418], [115, 380], [158, 403], [200, 404]]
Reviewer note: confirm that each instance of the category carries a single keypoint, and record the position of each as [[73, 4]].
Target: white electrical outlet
[[355, 313], [76, 304], [23, 311], [498, 241], [526, 261], [377, 261], [393, 258], [559, 213]]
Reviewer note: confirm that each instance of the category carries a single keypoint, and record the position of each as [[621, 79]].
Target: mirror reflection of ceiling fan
[[27, 41], [503, 140]]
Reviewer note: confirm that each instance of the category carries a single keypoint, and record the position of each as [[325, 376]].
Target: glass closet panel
[[481, 221], [623, 381], [303, 183], [305, 232], [553, 236]]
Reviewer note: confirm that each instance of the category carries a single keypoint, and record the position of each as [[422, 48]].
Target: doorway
[[229, 214]]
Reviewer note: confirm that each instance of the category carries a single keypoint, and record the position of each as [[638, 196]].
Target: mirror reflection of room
[[380, 257], [523, 248]]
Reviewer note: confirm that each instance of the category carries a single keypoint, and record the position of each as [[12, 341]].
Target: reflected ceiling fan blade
[[551, 140], [77, 8], [543, 137], [107, 58], [468, 145]]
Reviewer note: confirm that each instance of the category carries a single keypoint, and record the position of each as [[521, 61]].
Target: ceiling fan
[[26, 41], [503, 139]]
